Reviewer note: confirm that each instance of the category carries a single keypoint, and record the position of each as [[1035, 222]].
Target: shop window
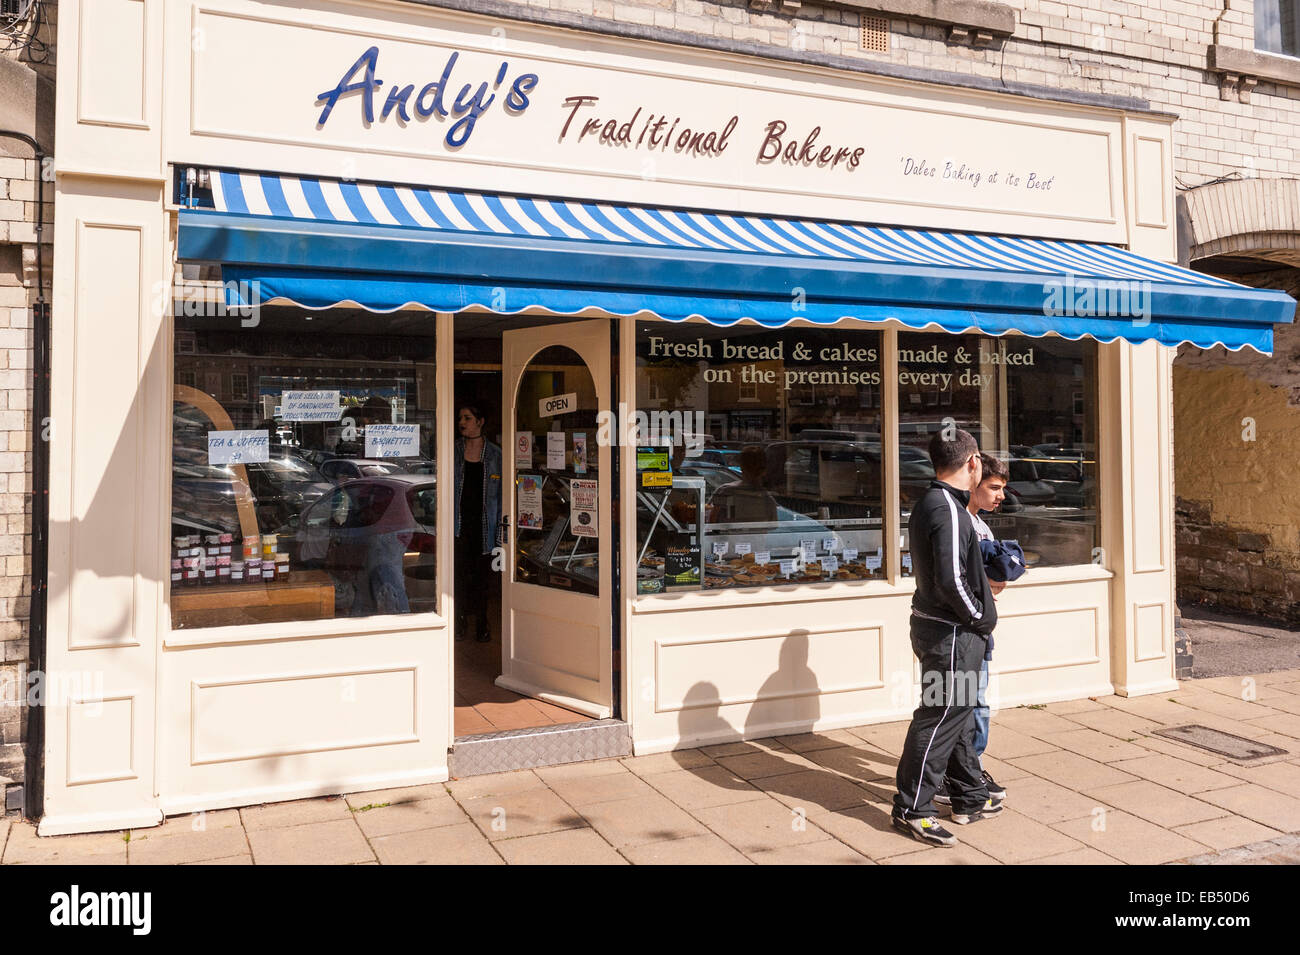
[[789, 491], [1277, 26], [557, 534], [1020, 398], [308, 489]]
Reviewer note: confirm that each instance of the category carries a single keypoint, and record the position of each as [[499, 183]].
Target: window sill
[[302, 630], [966, 16], [857, 590], [1240, 70]]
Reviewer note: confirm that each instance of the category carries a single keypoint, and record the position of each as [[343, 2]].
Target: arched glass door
[[556, 601]]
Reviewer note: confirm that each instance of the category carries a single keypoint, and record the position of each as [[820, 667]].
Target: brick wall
[[19, 176]]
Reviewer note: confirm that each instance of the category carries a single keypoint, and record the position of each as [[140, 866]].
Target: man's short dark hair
[[993, 468], [949, 450]]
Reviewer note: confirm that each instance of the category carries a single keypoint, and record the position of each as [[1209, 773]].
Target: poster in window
[[555, 447], [524, 449], [529, 509], [580, 453], [582, 504]]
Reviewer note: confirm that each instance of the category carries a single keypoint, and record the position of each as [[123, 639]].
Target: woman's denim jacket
[[491, 490]]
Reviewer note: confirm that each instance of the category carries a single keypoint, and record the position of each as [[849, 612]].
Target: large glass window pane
[[1277, 26], [759, 456], [303, 476], [1032, 403], [557, 542]]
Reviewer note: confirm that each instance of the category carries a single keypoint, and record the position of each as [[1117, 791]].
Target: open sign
[[558, 404]]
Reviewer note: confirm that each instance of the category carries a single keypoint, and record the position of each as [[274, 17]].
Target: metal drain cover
[[1217, 741]]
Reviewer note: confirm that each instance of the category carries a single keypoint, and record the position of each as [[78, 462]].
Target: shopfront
[[714, 307]]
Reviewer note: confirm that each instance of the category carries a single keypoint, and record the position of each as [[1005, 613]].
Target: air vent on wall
[[875, 33]]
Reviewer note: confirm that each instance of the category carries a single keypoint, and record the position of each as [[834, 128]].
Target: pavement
[[1087, 785]]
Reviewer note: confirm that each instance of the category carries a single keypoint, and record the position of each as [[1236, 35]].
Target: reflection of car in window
[[373, 535]]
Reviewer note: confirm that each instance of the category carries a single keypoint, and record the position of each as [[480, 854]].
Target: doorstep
[[507, 750]]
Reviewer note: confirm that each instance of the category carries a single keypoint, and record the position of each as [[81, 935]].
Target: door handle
[[505, 530]]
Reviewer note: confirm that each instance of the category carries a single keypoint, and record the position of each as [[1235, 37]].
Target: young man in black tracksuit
[[952, 615]]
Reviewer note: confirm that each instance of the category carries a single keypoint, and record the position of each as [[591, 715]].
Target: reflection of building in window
[[185, 378], [747, 391], [212, 384], [239, 386]]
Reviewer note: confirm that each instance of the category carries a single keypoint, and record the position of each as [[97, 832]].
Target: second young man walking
[[952, 615]]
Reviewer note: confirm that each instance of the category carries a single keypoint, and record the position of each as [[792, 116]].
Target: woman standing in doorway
[[478, 515]]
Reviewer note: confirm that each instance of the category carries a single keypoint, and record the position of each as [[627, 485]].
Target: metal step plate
[[508, 750], [1217, 741]]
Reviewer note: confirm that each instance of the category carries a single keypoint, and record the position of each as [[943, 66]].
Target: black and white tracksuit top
[[950, 582]]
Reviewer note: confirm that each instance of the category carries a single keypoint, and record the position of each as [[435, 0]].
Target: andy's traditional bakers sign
[[452, 100]]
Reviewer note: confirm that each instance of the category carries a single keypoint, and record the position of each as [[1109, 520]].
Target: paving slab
[[1073, 771], [1085, 856], [667, 762], [857, 762], [245, 859], [1283, 776], [193, 822], [1094, 745], [571, 771], [525, 812], [494, 784], [868, 831], [758, 765], [707, 849], [1071, 707], [815, 791], [183, 847], [1155, 803], [963, 853], [581, 791], [1227, 707], [1117, 723], [449, 845], [298, 812], [1002, 771], [1045, 801], [318, 843], [393, 797], [825, 852], [1031, 721], [757, 825], [1158, 709], [1011, 836], [641, 819], [407, 816], [570, 847], [24, 847], [1265, 806], [1227, 832], [706, 786], [1007, 743], [744, 747], [1284, 724], [1130, 839], [825, 739], [1177, 774], [885, 737]]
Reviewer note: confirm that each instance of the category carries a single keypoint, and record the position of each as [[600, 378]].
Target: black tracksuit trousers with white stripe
[[941, 739]]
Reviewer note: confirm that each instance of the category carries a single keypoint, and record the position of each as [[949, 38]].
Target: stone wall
[[26, 105], [1237, 427]]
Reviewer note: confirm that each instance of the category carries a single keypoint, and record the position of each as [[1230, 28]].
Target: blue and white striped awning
[[321, 242]]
